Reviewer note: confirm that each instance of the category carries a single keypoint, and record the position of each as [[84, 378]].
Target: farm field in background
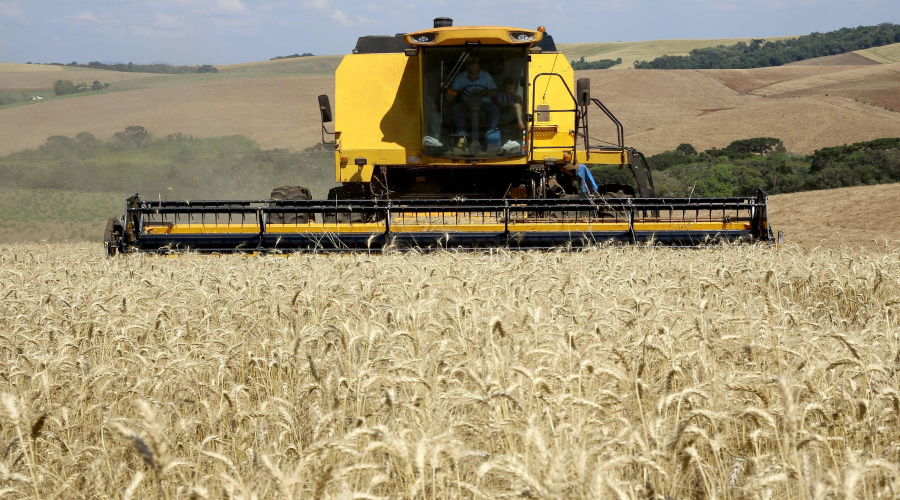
[[643, 50], [56, 216], [274, 102], [838, 217], [729, 372], [886, 54]]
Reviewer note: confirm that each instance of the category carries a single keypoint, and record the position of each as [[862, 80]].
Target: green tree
[[134, 136], [63, 87]]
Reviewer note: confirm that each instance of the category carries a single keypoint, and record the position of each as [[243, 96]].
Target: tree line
[[181, 166], [305, 54], [760, 53], [743, 166], [65, 87], [599, 64], [143, 68], [175, 166]]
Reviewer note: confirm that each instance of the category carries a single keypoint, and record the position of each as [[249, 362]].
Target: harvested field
[[848, 59], [855, 217], [630, 372], [324, 65], [51, 232], [268, 110], [662, 109], [758, 80], [43, 78], [273, 102], [19, 67], [886, 55], [874, 85]]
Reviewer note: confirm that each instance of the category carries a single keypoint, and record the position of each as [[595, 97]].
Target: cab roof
[[484, 35]]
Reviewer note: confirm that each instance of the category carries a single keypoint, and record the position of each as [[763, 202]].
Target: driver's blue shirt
[[484, 81]]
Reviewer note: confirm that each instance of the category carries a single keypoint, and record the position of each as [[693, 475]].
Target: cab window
[[474, 101]]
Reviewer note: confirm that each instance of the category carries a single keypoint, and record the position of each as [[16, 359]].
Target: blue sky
[[233, 31]]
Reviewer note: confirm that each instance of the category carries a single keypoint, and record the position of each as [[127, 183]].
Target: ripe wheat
[[730, 372]]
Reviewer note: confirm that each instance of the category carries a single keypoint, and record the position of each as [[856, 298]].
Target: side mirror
[[325, 108], [583, 91]]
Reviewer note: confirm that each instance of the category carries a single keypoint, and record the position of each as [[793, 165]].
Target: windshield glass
[[474, 100]]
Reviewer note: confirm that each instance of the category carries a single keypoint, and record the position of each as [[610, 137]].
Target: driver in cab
[[474, 88]]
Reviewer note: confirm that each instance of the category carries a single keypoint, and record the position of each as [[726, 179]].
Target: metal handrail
[[531, 146]]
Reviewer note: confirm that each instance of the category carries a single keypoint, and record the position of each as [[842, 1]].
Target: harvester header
[[452, 137]]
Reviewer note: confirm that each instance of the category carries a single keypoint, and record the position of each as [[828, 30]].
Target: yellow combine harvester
[[452, 137]]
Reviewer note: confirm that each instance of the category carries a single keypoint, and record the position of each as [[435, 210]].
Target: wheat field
[[729, 372]]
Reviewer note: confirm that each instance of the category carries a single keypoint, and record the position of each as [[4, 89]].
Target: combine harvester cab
[[452, 137]]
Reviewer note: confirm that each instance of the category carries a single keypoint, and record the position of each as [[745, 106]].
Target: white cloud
[[783, 4], [723, 6], [166, 21], [86, 16], [231, 22], [270, 6], [148, 32], [317, 4], [187, 7], [719, 5], [230, 7], [345, 20], [12, 11], [613, 5], [341, 18]]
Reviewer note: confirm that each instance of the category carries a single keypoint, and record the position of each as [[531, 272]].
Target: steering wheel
[[473, 90]]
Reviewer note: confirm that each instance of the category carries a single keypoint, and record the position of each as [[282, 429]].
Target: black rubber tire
[[112, 237], [289, 193], [345, 193], [567, 215], [616, 191]]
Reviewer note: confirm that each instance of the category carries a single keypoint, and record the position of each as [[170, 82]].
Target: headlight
[[522, 37], [426, 38]]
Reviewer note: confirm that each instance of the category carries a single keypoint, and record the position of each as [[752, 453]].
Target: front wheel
[[348, 192], [112, 237], [289, 193]]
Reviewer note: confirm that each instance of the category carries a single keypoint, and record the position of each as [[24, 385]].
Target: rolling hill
[[886, 55], [809, 106], [644, 50], [864, 216]]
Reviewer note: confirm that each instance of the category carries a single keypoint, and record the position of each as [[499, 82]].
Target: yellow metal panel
[[552, 91], [376, 111], [486, 35], [616, 157]]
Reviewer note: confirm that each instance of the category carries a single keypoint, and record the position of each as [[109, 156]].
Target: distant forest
[[180, 166], [176, 165], [760, 53], [745, 165], [305, 54], [143, 68], [601, 64]]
